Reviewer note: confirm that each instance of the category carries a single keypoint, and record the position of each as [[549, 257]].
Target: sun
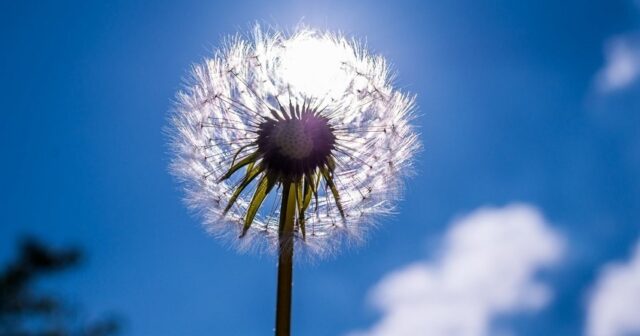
[[316, 66]]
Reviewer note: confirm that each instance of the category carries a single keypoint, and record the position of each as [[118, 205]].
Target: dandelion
[[292, 141]]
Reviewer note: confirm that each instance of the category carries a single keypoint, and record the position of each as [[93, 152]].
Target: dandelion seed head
[[311, 109]]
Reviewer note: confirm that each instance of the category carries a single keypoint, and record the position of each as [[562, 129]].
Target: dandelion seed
[[308, 120]]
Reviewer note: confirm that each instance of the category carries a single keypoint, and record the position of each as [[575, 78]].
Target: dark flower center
[[296, 145]]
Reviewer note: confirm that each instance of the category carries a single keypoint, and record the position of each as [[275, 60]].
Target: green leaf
[[301, 209], [315, 187], [309, 189], [328, 177], [250, 166], [265, 185], [234, 167], [252, 172], [235, 156], [331, 164], [298, 187]]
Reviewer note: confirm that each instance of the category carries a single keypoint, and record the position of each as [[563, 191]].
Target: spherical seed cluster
[[309, 108]]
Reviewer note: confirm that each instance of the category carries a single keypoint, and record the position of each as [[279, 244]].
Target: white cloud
[[614, 308], [486, 269], [622, 66]]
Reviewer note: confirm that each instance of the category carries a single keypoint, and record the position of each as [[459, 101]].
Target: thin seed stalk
[[285, 259]]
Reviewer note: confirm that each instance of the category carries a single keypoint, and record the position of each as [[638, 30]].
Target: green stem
[[285, 260]]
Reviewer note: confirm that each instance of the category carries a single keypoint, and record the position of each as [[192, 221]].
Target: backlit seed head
[[310, 109]]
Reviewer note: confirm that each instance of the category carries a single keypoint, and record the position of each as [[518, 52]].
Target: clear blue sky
[[508, 112]]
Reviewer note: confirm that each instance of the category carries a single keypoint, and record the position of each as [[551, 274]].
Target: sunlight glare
[[315, 65]]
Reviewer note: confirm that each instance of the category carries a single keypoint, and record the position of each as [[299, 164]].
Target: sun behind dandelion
[[292, 140], [312, 108]]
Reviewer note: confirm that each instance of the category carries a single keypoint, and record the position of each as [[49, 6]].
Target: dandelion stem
[[285, 260]]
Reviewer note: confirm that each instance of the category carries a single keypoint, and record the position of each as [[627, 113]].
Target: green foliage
[[26, 312], [264, 187]]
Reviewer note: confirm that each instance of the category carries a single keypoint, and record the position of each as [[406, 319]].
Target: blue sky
[[519, 101]]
